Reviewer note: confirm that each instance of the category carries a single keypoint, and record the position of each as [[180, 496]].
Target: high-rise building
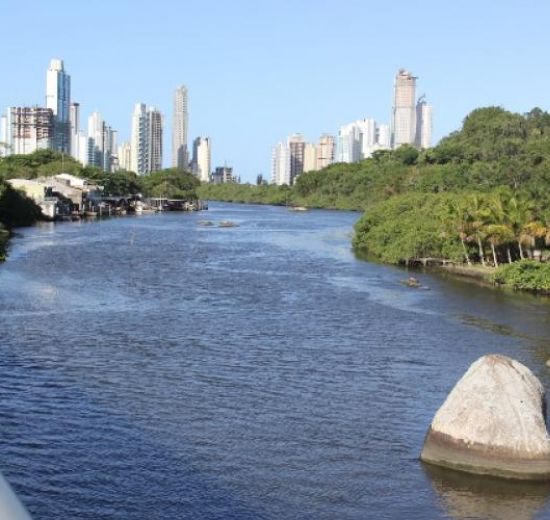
[[296, 149], [349, 143], [367, 137], [223, 175], [101, 144], [125, 156], [202, 158], [383, 137], [58, 99], [358, 140], [180, 155], [74, 119], [423, 137], [146, 141], [310, 157], [28, 129], [325, 151], [404, 112], [280, 165]]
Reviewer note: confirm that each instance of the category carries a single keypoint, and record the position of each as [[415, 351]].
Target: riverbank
[[4, 236]]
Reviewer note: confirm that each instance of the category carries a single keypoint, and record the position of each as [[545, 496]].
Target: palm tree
[[499, 234], [478, 215], [499, 229], [461, 223], [532, 231], [519, 212]]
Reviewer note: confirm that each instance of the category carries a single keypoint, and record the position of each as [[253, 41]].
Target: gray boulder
[[493, 422]]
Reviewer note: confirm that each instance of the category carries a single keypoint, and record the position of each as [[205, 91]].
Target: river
[[156, 368]]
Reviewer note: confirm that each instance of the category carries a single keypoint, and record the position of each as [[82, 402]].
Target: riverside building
[[180, 155], [202, 154], [404, 109], [146, 140]]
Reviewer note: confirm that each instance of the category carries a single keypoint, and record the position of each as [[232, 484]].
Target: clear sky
[[260, 70]]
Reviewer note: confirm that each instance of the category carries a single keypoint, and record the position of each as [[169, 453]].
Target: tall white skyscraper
[[423, 137], [349, 143], [58, 99], [280, 165], [146, 141], [404, 112], [101, 143], [180, 155], [74, 118], [367, 136], [202, 154]]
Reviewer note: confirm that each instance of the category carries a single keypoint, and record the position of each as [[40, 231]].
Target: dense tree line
[[479, 196]]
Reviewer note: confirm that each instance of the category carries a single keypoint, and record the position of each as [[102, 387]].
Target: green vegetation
[[525, 275], [479, 196], [169, 183]]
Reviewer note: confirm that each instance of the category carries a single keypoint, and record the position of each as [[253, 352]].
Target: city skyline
[[240, 97]]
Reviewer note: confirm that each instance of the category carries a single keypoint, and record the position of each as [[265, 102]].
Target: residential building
[[358, 140], [325, 151], [74, 119], [367, 137], [146, 140], [201, 158], [349, 143], [101, 144], [223, 175], [280, 165], [124, 154], [296, 149], [423, 137], [28, 129], [404, 111], [310, 157], [383, 137], [180, 155], [58, 99]]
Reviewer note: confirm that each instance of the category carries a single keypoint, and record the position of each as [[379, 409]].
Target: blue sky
[[258, 71]]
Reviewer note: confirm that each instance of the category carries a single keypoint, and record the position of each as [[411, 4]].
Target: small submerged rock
[[227, 224], [493, 423], [411, 281]]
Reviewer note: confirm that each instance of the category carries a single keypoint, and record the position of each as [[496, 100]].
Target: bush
[[526, 275]]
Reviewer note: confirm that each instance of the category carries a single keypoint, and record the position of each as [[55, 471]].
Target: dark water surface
[[156, 369]]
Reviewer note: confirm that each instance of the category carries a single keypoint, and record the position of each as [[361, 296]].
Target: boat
[[142, 208]]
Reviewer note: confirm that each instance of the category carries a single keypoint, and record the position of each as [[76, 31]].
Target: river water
[[155, 368]]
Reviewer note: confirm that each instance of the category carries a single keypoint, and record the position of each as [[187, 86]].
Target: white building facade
[[202, 157], [146, 140], [58, 99], [180, 155], [423, 137]]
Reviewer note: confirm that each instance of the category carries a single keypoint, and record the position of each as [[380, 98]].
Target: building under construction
[[29, 129]]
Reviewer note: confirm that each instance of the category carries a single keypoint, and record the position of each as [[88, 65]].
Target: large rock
[[493, 422]]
